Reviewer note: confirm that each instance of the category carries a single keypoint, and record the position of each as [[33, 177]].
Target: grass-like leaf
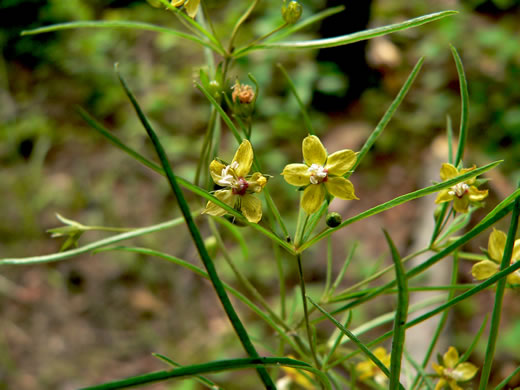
[[205, 368], [204, 381], [464, 109], [495, 215], [400, 314], [355, 340], [356, 37], [499, 296], [197, 239], [303, 109], [388, 114], [504, 383], [398, 201], [121, 24]]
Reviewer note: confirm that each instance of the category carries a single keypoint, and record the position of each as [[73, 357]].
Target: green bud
[[215, 89], [291, 12], [211, 245], [333, 220], [437, 212]]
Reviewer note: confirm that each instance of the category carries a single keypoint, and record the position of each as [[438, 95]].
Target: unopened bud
[[211, 245], [333, 220], [291, 11], [215, 89]]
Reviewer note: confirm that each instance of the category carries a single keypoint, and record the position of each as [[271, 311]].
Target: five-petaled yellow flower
[[462, 193], [452, 371], [321, 173], [239, 186], [367, 368], [191, 6], [496, 245]]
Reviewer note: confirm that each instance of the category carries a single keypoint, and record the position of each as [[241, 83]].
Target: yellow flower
[[238, 185], [321, 173], [191, 6], [452, 371], [462, 193], [367, 368], [294, 375], [496, 245]]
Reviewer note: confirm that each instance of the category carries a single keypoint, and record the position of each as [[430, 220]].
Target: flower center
[[318, 174], [459, 190], [240, 186], [228, 178]]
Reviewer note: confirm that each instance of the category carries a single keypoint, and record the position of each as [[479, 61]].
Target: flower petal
[[296, 174], [451, 357], [464, 372], [516, 251], [340, 162], [192, 6], [444, 196], [313, 197], [466, 170], [215, 169], [225, 196], [244, 158], [448, 171], [497, 245], [513, 278], [438, 368], [476, 195], [251, 207], [440, 384], [454, 385], [313, 151], [460, 205], [484, 269], [256, 182], [340, 188]]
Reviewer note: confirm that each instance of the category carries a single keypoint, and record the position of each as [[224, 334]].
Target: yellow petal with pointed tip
[[464, 372], [225, 196], [448, 171], [476, 195], [513, 278], [451, 357], [440, 384], [244, 158], [516, 251], [296, 174], [340, 188], [313, 197], [340, 162], [460, 205], [496, 245], [484, 269], [313, 151], [192, 6], [438, 368], [251, 207], [215, 169], [444, 196]]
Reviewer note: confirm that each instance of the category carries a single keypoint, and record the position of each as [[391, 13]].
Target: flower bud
[[333, 220], [215, 89], [243, 98], [291, 12], [211, 245]]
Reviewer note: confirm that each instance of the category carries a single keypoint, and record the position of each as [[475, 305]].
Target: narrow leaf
[[464, 110], [400, 315], [197, 239], [120, 24], [358, 36]]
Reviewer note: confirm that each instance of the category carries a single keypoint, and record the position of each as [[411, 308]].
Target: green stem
[[306, 312], [264, 37], [499, 296], [281, 279], [242, 278]]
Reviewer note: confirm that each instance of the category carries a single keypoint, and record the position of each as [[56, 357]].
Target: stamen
[[459, 190], [318, 174]]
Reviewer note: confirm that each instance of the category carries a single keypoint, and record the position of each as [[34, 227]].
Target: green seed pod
[[291, 12], [333, 220]]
